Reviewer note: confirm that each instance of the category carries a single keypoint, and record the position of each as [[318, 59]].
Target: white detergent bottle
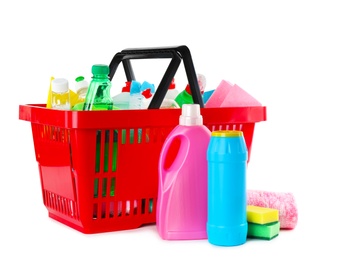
[[136, 96], [60, 97], [147, 90], [122, 100], [171, 94]]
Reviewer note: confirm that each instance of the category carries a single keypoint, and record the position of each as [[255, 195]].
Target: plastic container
[[67, 144], [81, 88], [185, 96], [147, 90], [182, 198], [207, 94], [122, 99], [172, 92], [60, 97], [227, 195], [98, 93], [169, 103], [136, 96]]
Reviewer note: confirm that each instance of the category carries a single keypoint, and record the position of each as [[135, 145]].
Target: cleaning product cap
[[135, 87], [190, 115], [172, 84], [100, 69], [127, 87], [147, 93], [146, 85], [201, 82], [80, 83], [60, 85]]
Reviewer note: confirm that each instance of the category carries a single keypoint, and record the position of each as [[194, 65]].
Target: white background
[[293, 56]]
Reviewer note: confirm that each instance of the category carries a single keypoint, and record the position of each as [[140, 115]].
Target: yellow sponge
[[261, 215]]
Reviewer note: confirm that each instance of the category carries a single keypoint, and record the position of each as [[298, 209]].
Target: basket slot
[[104, 186], [124, 208], [106, 150], [60, 204], [133, 136], [53, 154]]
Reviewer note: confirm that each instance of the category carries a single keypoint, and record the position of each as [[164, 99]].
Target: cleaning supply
[[207, 95], [171, 94], [48, 102], [147, 89], [284, 202], [261, 215], [136, 96], [169, 103], [122, 99], [182, 192], [185, 96], [262, 222], [60, 98], [267, 231], [98, 93], [227, 163], [230, 95], [72, 94], [81, 87]]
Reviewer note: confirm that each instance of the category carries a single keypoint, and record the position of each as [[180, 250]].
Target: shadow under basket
[[99, 169]]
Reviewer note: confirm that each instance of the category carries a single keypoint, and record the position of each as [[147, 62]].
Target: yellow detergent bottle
[[73, 96]]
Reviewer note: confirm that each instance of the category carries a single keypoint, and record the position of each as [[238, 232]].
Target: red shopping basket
[[99, 169]]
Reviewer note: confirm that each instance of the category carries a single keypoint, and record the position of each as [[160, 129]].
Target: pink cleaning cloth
[[231, 95], [284, 202]]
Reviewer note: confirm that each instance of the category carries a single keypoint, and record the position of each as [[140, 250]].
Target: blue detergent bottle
[[227, 195]]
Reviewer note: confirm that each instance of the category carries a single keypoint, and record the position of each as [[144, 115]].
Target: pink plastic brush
[[282, 201]]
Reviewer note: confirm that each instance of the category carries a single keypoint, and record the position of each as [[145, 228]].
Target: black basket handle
[[177, 53]]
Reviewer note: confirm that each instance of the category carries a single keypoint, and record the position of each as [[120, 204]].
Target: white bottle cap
[[80, 85], [190, 115], [60, 85]]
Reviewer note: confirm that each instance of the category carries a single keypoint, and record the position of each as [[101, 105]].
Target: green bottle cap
[[80, 78], [100, 69]]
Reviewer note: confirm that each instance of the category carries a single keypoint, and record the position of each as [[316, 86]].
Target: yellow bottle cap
[[227, 133]]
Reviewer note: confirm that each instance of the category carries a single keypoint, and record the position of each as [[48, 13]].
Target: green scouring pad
[[265, 231]]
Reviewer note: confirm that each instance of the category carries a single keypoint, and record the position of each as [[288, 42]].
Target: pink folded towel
[[231, 95]]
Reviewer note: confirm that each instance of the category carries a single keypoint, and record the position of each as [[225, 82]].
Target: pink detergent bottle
[[182, 195]]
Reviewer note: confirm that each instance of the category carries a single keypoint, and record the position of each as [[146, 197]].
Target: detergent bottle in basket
[[60, 96], [185, 96], [122, 99], [171, 94], [81, 87], [136, 96], [147, 90], [182, 193]]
